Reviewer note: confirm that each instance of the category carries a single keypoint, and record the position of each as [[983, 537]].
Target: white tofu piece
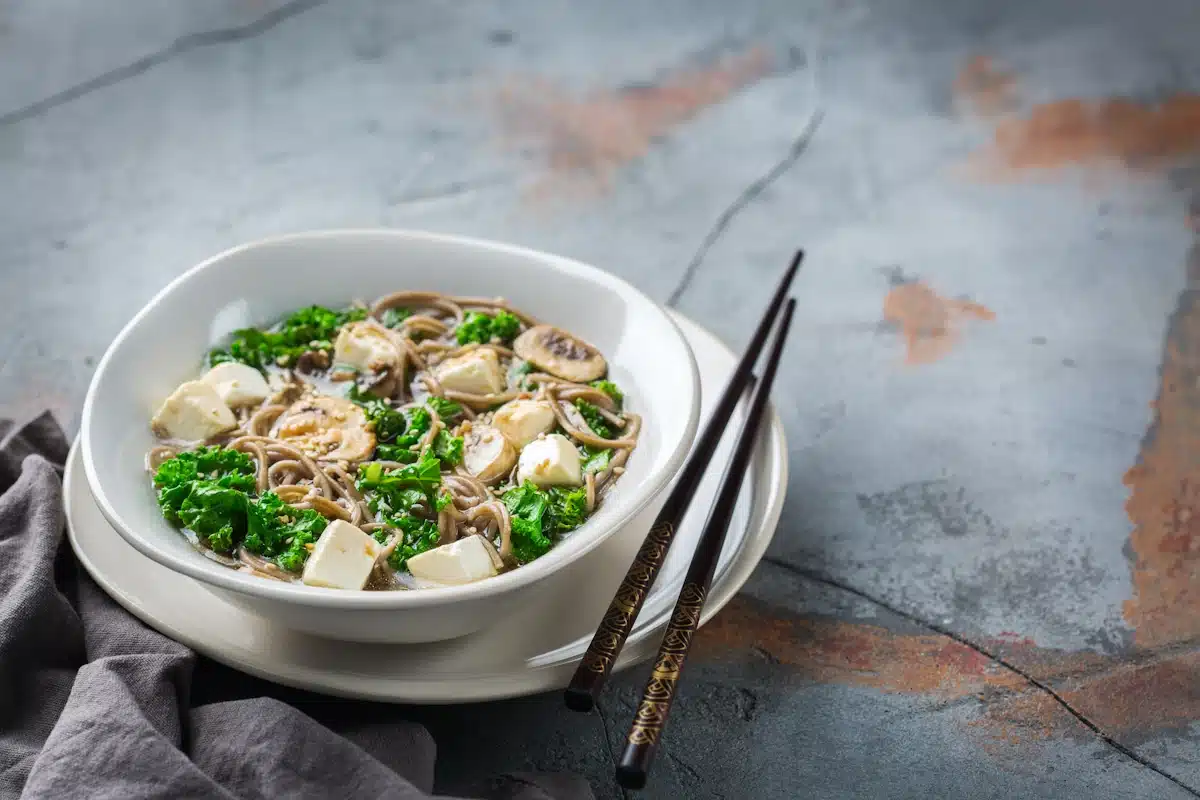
[[476, 372], [365, 346], [194, 411], [238, 384], [463, 561], [521, 421], [550, 461], [342, 559], [487, 454]]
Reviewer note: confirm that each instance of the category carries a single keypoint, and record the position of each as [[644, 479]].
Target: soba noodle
[[311, 440]]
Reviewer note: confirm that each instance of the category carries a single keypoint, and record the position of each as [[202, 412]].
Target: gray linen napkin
[[93, 704]]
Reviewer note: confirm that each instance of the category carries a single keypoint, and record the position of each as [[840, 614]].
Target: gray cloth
[[93, 704]]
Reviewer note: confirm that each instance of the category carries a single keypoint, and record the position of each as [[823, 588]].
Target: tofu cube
[[476, 372], [237, 384], [550, 461], [193, 412], [463, 561], [366, 346], [521, 421], [342, 559]]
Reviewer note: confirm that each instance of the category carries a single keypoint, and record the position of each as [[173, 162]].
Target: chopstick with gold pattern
[[614, 628], [644, 735]]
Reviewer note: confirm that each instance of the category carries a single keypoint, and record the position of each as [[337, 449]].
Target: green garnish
[[278, 531], [595, 459], [445, 409], [480, 328], [393, 317], [612, 390], [312, 328], [419, 535], [209, 491], [540, 515], [591, 415], [448, 448]]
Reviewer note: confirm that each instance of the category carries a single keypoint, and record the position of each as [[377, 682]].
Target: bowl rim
[[298, 594]]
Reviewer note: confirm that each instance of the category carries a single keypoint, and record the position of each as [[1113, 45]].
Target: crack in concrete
[[612, 755], [755, 189], [744, 199], [180, 46], [826, 580]]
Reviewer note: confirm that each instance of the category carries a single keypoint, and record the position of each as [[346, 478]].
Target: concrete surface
[[983, 585]]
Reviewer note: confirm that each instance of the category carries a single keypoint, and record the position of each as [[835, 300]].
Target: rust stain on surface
[[985, 88], [1134, 701], [1164, 498], [1114, 132], [929, 322], [586, 139], [830, 651]]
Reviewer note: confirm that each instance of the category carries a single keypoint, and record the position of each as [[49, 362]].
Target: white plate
[[532, 651]]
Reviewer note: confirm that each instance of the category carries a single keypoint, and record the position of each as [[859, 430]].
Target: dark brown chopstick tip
[[578, 699], [632, 778]]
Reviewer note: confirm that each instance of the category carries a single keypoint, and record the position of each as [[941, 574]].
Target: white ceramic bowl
[[259, 283]]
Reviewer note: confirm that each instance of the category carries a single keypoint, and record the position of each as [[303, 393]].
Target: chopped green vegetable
[[176, 478], [215, 513], [394, 316], [391, 452], [312, 328], [444, 500], [445, 409], [591, 415], [539, 515], [279, 531], [612, 390], [595, 459], [389, 486], [389, 422], [505, 326], [210, 492], [481, 328], [419, 535], [448, 448]]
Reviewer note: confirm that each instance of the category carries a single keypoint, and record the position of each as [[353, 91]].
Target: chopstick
[[642, 742], [614, 628]]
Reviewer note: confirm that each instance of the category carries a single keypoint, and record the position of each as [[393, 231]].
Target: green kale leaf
[[591, 415], [480, 328], [312, 328], [612, 390]]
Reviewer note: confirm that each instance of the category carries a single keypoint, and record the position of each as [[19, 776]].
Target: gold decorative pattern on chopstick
[[618, 620], [660, 689]]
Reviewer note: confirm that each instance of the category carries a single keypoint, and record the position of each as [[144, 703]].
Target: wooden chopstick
[[642, 742], [614, 628]]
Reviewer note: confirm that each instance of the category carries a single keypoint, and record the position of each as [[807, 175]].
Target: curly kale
[[595, 420], [279, 531], [419, 535], [612, 390], [210, 491], [393, 494], [312, 328], [206, 490], [480, 328], [539, 516]]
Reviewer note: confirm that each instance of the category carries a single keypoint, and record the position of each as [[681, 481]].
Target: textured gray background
[[979, 495]]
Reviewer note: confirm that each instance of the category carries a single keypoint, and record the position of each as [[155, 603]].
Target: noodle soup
[[425, 440]]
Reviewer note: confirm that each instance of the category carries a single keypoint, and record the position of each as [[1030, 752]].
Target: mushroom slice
[[487, 454], [560, 354], [327, 428]]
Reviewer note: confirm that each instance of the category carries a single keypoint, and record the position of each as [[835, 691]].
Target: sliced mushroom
[[560, 354], [327, 428], [487, 454]]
